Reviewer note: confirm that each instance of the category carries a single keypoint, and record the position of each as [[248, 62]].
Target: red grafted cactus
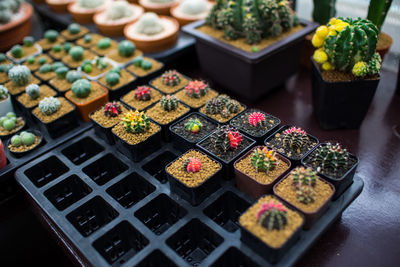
[[112, 109], [192, 165], [257, 119], [226, 138], [196, 89], [272, 216], [294, 137], [143, 93], [171, 78]]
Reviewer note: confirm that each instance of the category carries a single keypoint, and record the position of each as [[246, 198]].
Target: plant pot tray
[[124, 213]]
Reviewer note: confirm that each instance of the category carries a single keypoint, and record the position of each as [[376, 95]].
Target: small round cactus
[[61, 72], [87, 38], [101, 63], [143, 93], [56, 48], [193, 125], [31, 60], [137, 61], [28, 41], [126, 48], [171, 78], [116, 70], [56, 65], [3, 58], [112, 78], [27, 138], [305, 194], [9, 124], [4, 94], [192, 165], [264, 160], [51, 35], [104, 43], [257, 119], [330, 157], [76, 53], [112, 109], [294, 138], [46, 68], [73, 76], [17, 52], [272, 216], [226, 138], [136, 122], [169, 102], [214, 106], [49, 105], [20, 75], [42, 60], [74, 28], [5, 68], [67, 46], [149, 24], [87, 66], [196, 89], [81, 88], [33, 91], [16, 141], [146, 64]]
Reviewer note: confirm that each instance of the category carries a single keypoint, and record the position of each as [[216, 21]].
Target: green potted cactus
[[4, 68], [170, 82], [74, 31], [76, 56], [10, 124], [222, 108], [64, 79], [58, 51], [24, 142], [125, 53], [51, 38], [345, 72], [5, 101], [142, 97], [145, 68], [118, 81], [20, 76], [19, 53], [96, 68], [104, 46], [35, 62], [251, 39], [89, 40]]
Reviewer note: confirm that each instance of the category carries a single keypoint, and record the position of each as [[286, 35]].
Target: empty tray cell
[[226, 211], [92, 215], [130, 190], [120, 243], [194, 242], [156, 166], [46, 171], [82, 150], [67, 192], [160, 214], [104, 169], [233, 257], [156, 259]]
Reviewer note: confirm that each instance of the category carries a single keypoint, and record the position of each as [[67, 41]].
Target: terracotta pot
[[160, 9], [84, 16], [14, 32], [116, 28], [382, 50], [58, 6], [85, 109], [183, 20], [156, 44]]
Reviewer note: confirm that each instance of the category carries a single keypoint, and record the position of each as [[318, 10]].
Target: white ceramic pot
[[6, 106]]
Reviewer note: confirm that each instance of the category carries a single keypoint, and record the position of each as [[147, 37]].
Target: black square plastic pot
[[234, 257], [228, 171], [340, 104], [156, 259], [294, 161], [141, 150], [258, 72], [261, 135], [115, 94], [156, 166], [181, 142], [341, 183], [23, 153], [82, 150]]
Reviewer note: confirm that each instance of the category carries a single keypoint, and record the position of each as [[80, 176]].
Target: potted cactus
[[161, 7], [222, 108], [87, 97], [189, 11], [345, 72], [58, 51], [170, 82], [10, 124], [125, 53], [24, 142], [251, 39], [270, 228], [58, 6], [51, 38], [117, 81], [89, 40], [76, 56], [96, 68], [196, 94], [74, 31], [19, 53], [116, 16], [104, 46], [64, 79], [166, 112], [4, 68], [35, 62], [194, 176], [303, 189], [333, 163], [141, 98], [257, 171], [145, 68], [46, 72], [137, 136], [82, 11], [5, 101], [106, 117], [20, 76]]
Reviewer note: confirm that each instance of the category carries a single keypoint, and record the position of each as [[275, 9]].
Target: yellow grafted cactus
[[322, 31], [320, 56], [327, 66], [360, 69]]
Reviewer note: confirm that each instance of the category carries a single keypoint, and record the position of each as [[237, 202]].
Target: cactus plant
[[56, 65], [74, 28], [17, 52], [31, 60], [33, 91], [149, 24], [272, 216], [294, 138], [16, 141], [323, 10], [233, 106], [303, 177], [116, 70], [42, 60], [143, 93], [49, 105], [305, 194], [73, 76], [27, 138], [56, 48], [101, 63], [46, 68], [146, 64], [193, 125], [118, 10], [251, 19], [112, 109], [4, 94], [20, 75], [170, 78], [81, 88], [192, 165], [76, 53], [330, 157], [226, 138], [137, 61], [214, 106], [3, 58], [87, 38], [196, 89], [126, 48], [169, 102], [193, 7], [67, 46], [264, 160], [377, 11], [61, 72], [5, 68], [112, 78], [51, 35], [104, 43], [257, 119], [136, 122], [90, 4], [28, 41]]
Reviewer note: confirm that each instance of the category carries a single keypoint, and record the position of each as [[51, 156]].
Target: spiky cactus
[[330, 157], [143, 93], [233, 106], [226, 138], [214, 106], [272, 216], [61, 72], [104, 43], [193, 125], [136, 122], [74, 28], [303, 177], [46, 68], [171, 78], [20, 75], [264, 160], [192, 165], [81, 88], [49, 105], [4, 94], [169, 102], [196, 89], [257, 119], [251, 19], [112, 109], [377, 11], [33, 91], [294, 138]]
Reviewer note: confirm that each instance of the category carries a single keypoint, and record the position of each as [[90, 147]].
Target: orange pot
[[183, 20], [85, 109], [160, 9], [59, 7], [156, 44], [14, 32], [83, 16]]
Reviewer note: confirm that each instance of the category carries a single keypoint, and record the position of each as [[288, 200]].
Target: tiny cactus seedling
[[112, 109], [137, 61], [143, 93], [28, 41], [169, 102], [126, 48], [303, 177], [136, 122], [87, 38], [3, 58], [171, 78], [49, 105], [104, 43], [330, 157], [57, 65], [193, 125], [264, 160], [112, 78], [272, 216], [257, 119], [196, 89], [294, 138], [73, 76], [61, 72], [146, 64], [51, 35], [226, 138], [42, 60], [192, 165], [67, 46], [4, 94], [74, 28], [56, 48], [33, 91], [46, 68], [76, 53], [81, 88], [17, 52], [20, 75]]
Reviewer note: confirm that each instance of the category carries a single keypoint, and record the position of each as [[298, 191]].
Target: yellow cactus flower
[[320, 56], [322, 32], [340, 26], [332, 32], [317, 41], [334, 21], [327, 66], [360, 69]]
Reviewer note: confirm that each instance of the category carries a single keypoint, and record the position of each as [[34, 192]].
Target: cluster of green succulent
[[23, 139], [46, 68], [9, 121], [99, 62], [272, 216], [264, 160], [136, 122], [169, 102], [49, 105], [142, 63], [113, 76], [81, 88], [223, 105], [330, 157], [304, 181], [7, 9]]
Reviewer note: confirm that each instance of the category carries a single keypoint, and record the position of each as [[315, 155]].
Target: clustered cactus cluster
[[192, 165], [193, 125], [81, 88], [226, 138], [295, 138], [112, 109], [171, 78], [23, 139], [251, 19], [113, 76], [33, 91], [257, 119], [136, 122], [169, 102], [7, 9], [330, 157], [264, 160], [304, 181], [20, 75], [272, 216], [196, 89], [347, 44], [223, 105], [143, 93], [142, 63], [49, 105], [9, 121]]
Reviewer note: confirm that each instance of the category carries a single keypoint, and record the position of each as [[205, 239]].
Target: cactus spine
[[20, 75], [272, 216]]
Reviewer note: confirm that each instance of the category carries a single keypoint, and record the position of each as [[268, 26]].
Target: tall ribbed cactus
[[252, 19], [377, 11], [323, 10]]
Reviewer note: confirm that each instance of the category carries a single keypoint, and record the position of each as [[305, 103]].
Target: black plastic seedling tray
[[123, 213]]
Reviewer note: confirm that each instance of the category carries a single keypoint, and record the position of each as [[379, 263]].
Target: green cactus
[[56, 48], [20, 75], [303, 177], [81, 88], [116, 70], [17, 52], [193, 125], [323, 10], [214, 106], [330, 157], [305, 194], [46, 68], [31, 60], [4, 94], [33, 91], [76, 53], [3, 57], [51, 35], [74, 28], [226, 138], [294, 138], [169, 102], [67, 46], [56, 65], [112, 78], [5, 68], [28, 41], [87, 38], [377, 11], [146, 64], [61, 72], [136, 122], [104, 43], [170, 78], [272, 216], [137, 61], [42, 60], [73, 76], [264, 160], [49, 105], [233, 106], [126, 48]]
